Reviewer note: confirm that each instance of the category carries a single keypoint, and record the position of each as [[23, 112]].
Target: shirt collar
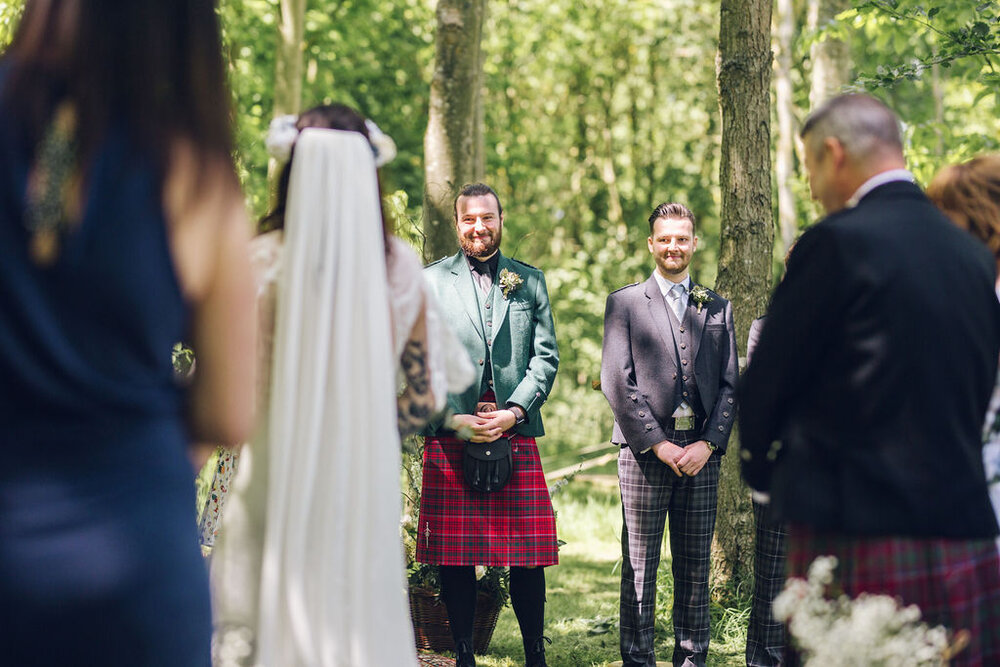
[[482, 267], [665, 284], [882, 178]]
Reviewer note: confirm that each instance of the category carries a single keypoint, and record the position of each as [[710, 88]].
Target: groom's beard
[[482, 246]]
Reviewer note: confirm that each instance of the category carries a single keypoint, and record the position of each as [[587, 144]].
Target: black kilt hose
[[458, 526]]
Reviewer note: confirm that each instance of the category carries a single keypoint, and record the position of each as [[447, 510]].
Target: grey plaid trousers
[[652, 493], [766, 636]]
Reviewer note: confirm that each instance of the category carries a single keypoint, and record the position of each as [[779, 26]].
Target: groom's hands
[[694, 458], [485, 426], [668, 452], [687, 460]]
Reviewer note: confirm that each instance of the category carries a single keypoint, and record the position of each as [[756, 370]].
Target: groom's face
[[672, 244], [479, 224]]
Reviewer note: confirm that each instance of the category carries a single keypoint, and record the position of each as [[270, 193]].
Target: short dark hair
[[671, 210], [477, 190]]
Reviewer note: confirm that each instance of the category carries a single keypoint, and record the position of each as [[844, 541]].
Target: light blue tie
[[678, 300]]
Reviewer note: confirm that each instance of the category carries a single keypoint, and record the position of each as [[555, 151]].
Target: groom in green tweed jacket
[[499, 308]]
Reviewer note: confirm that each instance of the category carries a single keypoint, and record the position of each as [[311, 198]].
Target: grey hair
[[861, 123]]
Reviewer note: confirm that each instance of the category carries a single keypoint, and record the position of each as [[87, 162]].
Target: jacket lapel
[[466, 291], [658, 311], [500, 304], [697, 323]]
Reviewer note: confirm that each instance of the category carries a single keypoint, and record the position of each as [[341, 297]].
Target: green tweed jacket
[[518, 330]]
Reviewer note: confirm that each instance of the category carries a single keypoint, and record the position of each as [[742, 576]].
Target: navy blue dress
[[99, 558]]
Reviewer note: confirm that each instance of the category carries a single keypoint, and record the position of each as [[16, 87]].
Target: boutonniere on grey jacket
[[700, 296], [509, 281]]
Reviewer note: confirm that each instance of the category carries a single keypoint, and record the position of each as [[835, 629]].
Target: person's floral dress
[[208, 525]]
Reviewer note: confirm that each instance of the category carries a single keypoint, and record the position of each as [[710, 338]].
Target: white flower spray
[[868, 630]]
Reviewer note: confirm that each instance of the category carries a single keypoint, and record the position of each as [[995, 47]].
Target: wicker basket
[[430, 621]]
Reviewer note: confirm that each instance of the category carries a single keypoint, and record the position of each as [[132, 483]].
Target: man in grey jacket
[[669, 371]]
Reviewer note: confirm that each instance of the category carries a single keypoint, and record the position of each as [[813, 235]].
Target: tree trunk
[[453, 153], [288, 69], [831, 61], [288, 60], [747, 233], [784, 164]]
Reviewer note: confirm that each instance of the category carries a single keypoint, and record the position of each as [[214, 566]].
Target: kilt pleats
[[458, 526]]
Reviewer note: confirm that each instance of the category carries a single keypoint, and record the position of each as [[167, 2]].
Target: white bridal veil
[[332, 584]]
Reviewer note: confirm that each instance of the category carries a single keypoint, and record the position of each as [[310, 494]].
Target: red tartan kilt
[[956, 583], [459, 526]]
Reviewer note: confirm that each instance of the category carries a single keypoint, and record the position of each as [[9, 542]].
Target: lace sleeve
[[265, 258]]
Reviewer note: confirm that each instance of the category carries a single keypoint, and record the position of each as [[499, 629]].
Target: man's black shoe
[[464, 657], [534, 655]]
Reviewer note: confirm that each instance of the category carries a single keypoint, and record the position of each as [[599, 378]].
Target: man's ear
[[836, 150]]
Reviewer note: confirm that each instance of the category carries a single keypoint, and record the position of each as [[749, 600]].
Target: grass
[[582, 609]]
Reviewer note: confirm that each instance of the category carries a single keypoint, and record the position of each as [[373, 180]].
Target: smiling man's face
[[479, 224], [672, 245]]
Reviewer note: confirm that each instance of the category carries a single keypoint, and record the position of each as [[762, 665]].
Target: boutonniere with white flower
[[700, 296], [509, 281]]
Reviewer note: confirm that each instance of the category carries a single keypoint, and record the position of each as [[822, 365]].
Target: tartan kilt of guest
[[458, 526], [956, 583]]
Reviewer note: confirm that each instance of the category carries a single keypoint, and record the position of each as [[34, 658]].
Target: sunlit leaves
[[371, 54]]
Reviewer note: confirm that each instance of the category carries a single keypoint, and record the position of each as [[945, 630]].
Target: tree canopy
[[595, 112]]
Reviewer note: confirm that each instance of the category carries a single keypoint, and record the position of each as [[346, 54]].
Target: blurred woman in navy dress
[[122, 231]]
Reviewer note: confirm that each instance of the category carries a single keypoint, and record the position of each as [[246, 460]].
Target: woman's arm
[[415, 406], [210, 234]]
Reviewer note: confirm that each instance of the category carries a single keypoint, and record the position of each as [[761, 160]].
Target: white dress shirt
[[882, 178]]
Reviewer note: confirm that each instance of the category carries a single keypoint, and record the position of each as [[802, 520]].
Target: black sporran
[[488, 466]]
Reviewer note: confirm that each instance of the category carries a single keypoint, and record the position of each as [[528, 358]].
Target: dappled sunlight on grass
[[582, 610]]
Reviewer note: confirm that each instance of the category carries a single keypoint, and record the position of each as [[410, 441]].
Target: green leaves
[[370, 54]]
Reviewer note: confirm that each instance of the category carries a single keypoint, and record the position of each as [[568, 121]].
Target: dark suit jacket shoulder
[[874, 371], [639, 367]]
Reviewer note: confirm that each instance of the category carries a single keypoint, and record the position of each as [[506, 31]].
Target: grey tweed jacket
[[639, 368]]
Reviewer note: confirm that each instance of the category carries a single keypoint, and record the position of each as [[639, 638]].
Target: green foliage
[[958, 31], [594, 113], [250, 41], [933, 61], [10, 14], [182, 357], [374, 56], [936, 64]]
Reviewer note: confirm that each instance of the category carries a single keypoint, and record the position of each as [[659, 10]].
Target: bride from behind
[[308, 567]]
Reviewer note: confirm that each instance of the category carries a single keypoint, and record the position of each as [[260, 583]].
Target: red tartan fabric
[[956, 583], [459, 526]]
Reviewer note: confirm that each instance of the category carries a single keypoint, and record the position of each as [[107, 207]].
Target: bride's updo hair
[[329, 117]]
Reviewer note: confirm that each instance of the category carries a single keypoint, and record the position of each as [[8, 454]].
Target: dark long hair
[[153, 67], [329, 117]]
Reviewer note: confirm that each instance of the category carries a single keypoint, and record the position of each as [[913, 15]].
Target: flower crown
[[282, 134]]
